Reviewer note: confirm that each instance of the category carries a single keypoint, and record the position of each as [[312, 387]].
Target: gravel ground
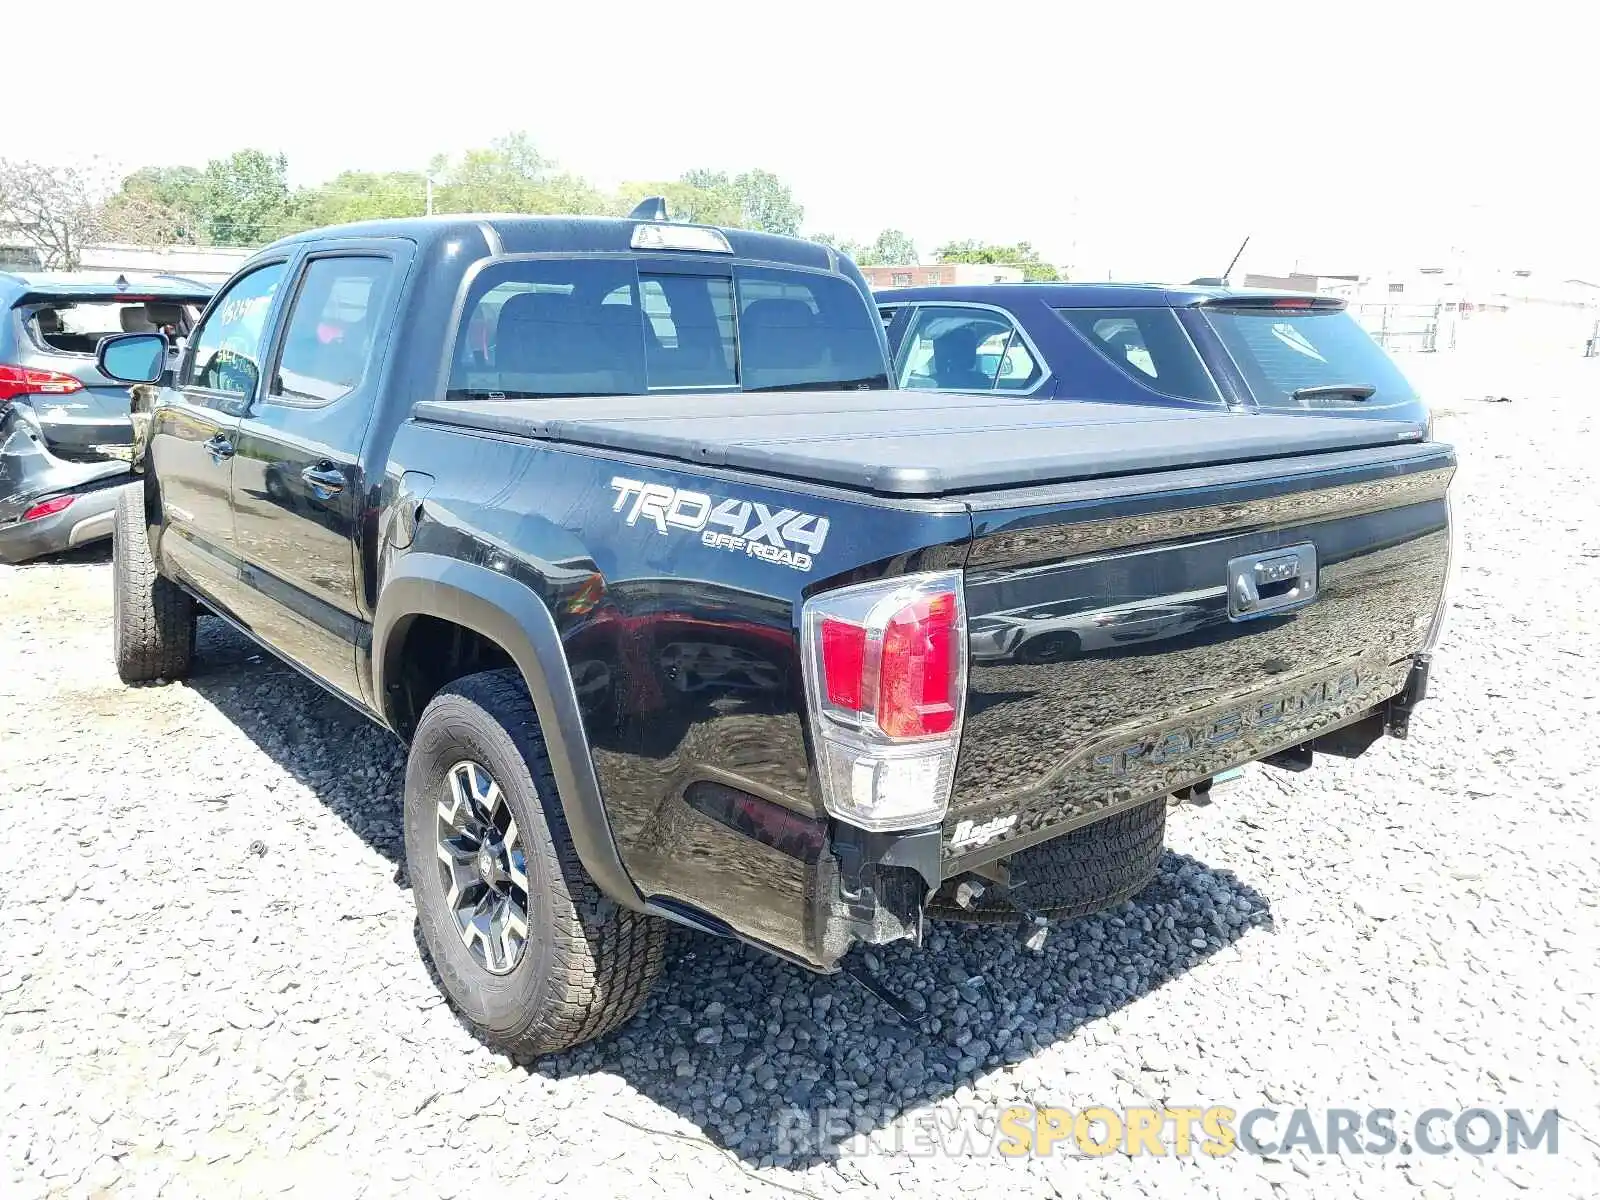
[[210, 982]]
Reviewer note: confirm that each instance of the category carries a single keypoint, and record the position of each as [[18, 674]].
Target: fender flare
[[513, 616]]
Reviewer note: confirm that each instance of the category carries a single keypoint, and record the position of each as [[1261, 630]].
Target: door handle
[[324, 480], [219, 448]]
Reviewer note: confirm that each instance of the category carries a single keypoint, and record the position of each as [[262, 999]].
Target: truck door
[[300, 492], [193, 433]]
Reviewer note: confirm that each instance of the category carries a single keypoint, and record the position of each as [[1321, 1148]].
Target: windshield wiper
[[1350, 391]]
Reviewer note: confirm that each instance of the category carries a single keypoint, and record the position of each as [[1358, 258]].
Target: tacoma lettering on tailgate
[[1178, 744]]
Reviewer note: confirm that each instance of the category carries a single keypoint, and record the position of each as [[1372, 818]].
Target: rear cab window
[[544, 328], [1299, 358]]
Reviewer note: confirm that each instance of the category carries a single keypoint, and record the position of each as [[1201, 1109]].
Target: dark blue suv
[[1145, 344]]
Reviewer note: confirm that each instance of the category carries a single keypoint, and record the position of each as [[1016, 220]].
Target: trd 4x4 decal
[[742, 526]]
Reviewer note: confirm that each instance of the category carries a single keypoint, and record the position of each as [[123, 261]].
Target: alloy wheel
[[483, 867]]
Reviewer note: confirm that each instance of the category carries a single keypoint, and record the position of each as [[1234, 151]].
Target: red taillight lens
[[886, 680], [916, 681], [48, 508], [27, 381], [844, 658], [897, 663]]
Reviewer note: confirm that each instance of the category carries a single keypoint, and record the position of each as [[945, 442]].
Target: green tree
[[891, 249], [1020, 255], [360, 196], [766, 203], [761, 199], [685, 201], [853, 250], [510, 175], [155, 206], [244, 198]]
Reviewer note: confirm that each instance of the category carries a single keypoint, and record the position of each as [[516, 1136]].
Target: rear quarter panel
[[684, 654]]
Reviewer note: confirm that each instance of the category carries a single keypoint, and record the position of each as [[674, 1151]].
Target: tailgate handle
[[1270, 582]]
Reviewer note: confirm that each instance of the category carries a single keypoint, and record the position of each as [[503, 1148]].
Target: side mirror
[[132, 357]]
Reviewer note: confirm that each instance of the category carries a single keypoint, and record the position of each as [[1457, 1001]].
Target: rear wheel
[[152, 617], [528, 949], [1076, 874]]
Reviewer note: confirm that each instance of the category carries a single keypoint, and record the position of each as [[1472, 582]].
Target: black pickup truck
[[687, 615]]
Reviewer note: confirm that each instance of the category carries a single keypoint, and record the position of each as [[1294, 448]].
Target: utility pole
[[429, 209]]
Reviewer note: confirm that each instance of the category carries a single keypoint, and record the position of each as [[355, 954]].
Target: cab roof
[[518, 234], [1094, 295]]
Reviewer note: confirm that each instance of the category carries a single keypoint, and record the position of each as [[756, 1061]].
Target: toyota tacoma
[[688, 616]]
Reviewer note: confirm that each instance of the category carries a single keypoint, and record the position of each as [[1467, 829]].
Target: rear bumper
[[89, 518]]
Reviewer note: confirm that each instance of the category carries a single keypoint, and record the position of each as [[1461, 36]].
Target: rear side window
[[1283, 352], [607, 327], [1150, 346], [332, 328], [951, 348]]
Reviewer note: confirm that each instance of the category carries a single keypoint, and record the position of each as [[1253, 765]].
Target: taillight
[[47, 508], [28, 381], [886, 679]]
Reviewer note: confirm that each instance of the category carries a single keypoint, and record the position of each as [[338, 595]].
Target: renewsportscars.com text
[[1212, 1131]]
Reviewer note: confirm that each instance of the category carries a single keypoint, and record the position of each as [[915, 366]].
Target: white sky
[[1141, 139]]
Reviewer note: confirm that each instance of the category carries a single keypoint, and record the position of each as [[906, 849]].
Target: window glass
[[1018, 372], [329, 339], [804, 332], [227, 347], [593, 327], [1149, 345], [552, 327], [76, 326], [955, 349], [1281, 352], [688, 330]]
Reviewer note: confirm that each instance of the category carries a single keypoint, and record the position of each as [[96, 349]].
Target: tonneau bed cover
[[917, 443]]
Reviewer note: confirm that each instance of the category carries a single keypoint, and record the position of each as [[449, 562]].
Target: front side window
[[609, 327], [332, 328], [226, 355]]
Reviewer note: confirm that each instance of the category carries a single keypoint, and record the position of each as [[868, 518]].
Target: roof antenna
[[1234, 262], [1222, 280], [651, 208], [122, 283]]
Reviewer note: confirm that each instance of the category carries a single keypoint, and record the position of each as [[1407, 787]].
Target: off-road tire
[[152, 617], [1078, 873], [588, 964]]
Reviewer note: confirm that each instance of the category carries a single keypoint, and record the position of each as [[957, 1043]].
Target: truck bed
[[917, 443]]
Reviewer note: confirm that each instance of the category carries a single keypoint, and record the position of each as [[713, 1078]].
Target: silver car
[[65, 429]]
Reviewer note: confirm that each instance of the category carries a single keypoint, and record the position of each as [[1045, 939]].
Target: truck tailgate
[[1108, 667]]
